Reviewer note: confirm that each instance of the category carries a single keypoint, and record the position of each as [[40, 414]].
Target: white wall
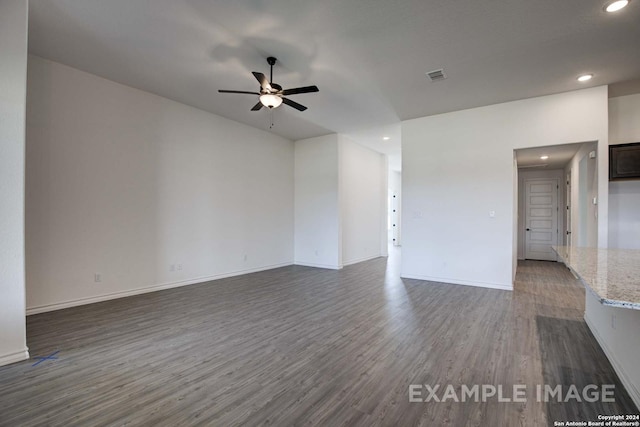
[[340, 202], [126, 184], [363, 188], [457, 167], [624, 196], [624, 214], [584, 188], [13, 84], [523, 175], [318, 236]]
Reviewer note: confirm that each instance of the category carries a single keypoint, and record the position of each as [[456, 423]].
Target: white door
[[395, 218], [541, 218], [568, 210]]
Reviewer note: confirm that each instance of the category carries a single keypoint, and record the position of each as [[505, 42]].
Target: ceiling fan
[[272, 94]]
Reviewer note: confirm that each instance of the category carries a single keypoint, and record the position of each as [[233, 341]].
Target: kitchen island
[[611, 275], [611, 278]]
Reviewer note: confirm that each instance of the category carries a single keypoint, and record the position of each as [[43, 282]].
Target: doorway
[[557, 193], [541, 218]]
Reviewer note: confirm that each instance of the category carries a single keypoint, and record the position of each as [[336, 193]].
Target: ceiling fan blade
[[238, 91], [262, 79], [294, 104], [257, 106], [297, 90]]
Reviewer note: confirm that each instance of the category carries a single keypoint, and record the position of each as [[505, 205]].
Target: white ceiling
[[368, 57]]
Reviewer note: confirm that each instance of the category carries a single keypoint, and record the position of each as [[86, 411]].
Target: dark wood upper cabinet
[[624, 161]]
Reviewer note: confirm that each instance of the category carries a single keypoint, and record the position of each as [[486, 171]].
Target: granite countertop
[[612, 275]]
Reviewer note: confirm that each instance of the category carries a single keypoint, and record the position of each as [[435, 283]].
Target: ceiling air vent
[[436, 75]]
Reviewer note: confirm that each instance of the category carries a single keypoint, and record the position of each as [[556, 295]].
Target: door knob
[[528, 229]]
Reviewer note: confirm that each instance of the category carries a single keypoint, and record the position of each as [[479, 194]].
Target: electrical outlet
[[97, 277], [317, 253], [172, 267], [245, 257], [179, 266]]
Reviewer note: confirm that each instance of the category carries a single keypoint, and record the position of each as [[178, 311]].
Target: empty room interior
[[264, 212]]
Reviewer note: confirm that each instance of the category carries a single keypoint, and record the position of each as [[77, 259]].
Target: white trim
[[367, 258], [18, 356], [459, 282], [624, 378], [154, 288], [311, 264]]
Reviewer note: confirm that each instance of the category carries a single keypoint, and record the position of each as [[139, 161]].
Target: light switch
[[492, 214]]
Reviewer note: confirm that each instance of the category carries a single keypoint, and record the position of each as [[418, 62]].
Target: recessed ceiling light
[[544, 157], [585, 77], [614, 6], [386, 138]]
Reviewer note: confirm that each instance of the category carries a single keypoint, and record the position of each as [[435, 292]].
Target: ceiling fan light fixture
[[272, 95], [614, 6], [270, 101]]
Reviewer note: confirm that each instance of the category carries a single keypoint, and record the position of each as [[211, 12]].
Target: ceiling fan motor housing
[[274, 88]]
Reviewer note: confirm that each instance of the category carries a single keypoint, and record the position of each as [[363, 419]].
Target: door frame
[[524, 174], [557, 213], [567, 210]]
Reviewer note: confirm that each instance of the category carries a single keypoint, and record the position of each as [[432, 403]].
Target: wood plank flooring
[[304, 346]]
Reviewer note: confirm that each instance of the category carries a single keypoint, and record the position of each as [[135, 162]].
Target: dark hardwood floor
[[304, 346]]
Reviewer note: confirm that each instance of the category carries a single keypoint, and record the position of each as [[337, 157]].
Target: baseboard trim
[[361, 260], [312, 264], [18, 356], [624, 378], [458, 282], [154, 288]]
